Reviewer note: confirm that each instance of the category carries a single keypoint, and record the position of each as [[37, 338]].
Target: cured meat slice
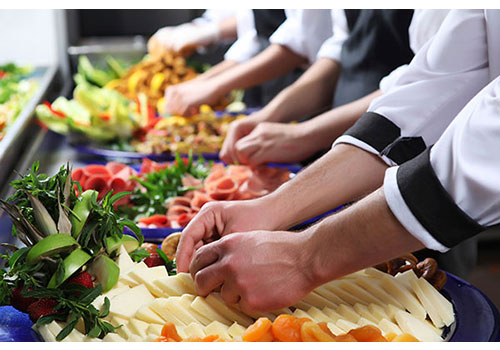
[[199, 200], [146, 166], [181, 201], [119, 185], [190, 181], [100, 183], [96, 169], [184, 219], [176, 210], [223, 189], [79, 175], [158, 220], [239, 173], [115, 167], [253, 187]]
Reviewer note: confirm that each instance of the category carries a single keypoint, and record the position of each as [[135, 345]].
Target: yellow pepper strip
[[134, 80], [156, 82]]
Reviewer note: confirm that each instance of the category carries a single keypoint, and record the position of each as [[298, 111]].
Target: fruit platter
[[116, 112], [164, 197]]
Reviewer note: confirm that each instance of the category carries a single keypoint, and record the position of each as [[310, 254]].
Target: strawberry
[[154, 260], [41, 308], [83, 278], [19, 302]]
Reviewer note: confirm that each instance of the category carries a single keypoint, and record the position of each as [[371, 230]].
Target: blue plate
[[477, 319]]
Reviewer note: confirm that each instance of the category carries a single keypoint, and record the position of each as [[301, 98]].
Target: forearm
[[275, 61], [361, 236], [325, 128], [228, 28], [309, 95], [217, 69], [344, 174]]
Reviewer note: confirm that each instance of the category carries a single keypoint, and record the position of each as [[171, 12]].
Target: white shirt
[[304, 32], [449, 96], [247, 45], [332, 47]]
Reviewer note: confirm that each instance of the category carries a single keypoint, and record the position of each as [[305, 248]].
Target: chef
[[305, 30], [418, 195]]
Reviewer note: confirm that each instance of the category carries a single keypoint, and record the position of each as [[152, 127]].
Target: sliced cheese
[[159, 306], [346, 325], [126, 305], [318, 301], [215, 300], [117, 321], [45, 333], [170, 286], [124, 332], [173, 306], [387, 326], [113, 337], [351, 287], [364, 312], [236, 331], [147, 277], [348, 313], [377, 311], [327, 294], [138, 327], [302, 314], [154, 329], [124, 261], [147, 314], [334, 329], [407, 299], [391, 311], [201, 306], [416, 327], [187, 282], [318, 315], [365, 322], [349, 298], [372, 285], [186, 300], [194, 330], [432, 311], [135, 338], [440, 303], [334, 316], [217, 328]]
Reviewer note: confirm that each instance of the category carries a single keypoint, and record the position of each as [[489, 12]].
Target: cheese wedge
[[351, 287], [346, 325], [160, 307], [365, 322], [377, 311], [124, 332], [407, 299], [236, 331], [124, 261], [416, 327], [170, 286], [135, 338], [426, 302], [146, 314], [302, 314], [194, 330], [127, 279], [126, 305], [348, 313], [215, 300], [173, 306], [334, 329], [318, 301], [154, 329], [187, 282], [440, 303], [334, 316], [201, 306], [138, 327], [217, 328], [318, 315], [364, 312], [113, 337], [387, 326], [147, 277], [349, 298], [391, 311], [372, 286], [373, 272], [118, 321], [325, 293], [186, 300], [302, 305], [46, 334]]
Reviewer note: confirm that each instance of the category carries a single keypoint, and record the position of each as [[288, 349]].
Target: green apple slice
[[129, 243], [71, 264], [50, 245], [106, 271]]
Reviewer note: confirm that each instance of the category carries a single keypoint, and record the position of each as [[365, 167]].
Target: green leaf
[[119, 196], [69, 327], [139, 254], [105, 312], [90, 294]]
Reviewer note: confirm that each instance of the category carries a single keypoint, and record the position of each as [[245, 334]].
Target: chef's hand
[[183, 38], [218, 219], [261, 270], [275, 143], [185, 99], [237, 130]]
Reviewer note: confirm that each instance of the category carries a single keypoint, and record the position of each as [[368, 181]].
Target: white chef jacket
[[332, 47], [304, 32], [446, 194], [247, 45], [215, 15], [424, 25]]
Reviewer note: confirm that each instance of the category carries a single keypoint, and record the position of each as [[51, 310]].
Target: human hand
[[275, 143], [237, 130], [218, 219], [185, 98], [260, 270]]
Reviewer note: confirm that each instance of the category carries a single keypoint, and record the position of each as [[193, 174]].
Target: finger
[[229, 293], [202, 226], [245, 148], [206, 255], [257, 158], [208, 279]]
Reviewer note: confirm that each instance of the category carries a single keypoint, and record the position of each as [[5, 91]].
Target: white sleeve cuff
[[348, 139], [401, 211], [244, 48]]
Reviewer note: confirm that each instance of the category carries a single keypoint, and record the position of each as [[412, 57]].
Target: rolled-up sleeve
[[451, 192], [332, 47], [304, 32], [445, 74], [247, 45]]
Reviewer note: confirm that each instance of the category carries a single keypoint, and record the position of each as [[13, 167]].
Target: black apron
[[266, 23], [378, 43]]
